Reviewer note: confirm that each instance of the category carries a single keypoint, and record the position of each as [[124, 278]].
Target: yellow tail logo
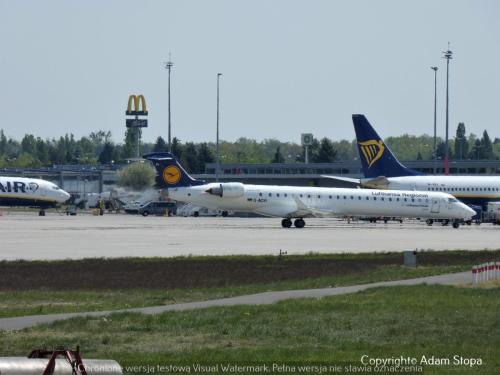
[[372, 150]]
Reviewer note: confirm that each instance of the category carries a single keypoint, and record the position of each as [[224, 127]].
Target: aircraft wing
[[305, 211], [380, 182], [355, 181]]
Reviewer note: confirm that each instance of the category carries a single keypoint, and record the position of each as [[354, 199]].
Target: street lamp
[[168, 66], [217, 169], [448, 55], [435, 68]]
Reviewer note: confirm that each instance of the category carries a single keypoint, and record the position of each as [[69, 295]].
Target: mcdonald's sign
[[135, 100]]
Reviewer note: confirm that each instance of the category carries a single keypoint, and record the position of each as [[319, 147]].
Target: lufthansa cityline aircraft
[[383, 171], [30, 192], [290, 202]]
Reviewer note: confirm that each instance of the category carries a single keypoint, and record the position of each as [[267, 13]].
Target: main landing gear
[[41, 213], [287, 223], [445, 222]]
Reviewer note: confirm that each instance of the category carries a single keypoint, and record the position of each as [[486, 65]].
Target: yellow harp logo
[[372, 150], [171, 175]]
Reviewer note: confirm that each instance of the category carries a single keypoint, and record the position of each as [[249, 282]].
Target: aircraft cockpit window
[[56, 187], [452, 200]]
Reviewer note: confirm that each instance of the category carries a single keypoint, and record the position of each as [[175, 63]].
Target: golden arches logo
[[171, 175], [372, 150], [138, 110]]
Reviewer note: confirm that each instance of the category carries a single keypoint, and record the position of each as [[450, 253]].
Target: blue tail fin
[[376, 158], [170, 173]]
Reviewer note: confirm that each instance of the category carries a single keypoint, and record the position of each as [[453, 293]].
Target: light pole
[[435, 68], [217, 149], [168, 65], [448, 55]]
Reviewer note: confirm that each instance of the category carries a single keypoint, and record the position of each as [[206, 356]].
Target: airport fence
[[486, 272]]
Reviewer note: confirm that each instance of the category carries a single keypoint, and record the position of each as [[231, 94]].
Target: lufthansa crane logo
[[372, 150], [171, 175]]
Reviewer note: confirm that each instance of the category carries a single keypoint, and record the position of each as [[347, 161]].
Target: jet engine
[[228, 190]]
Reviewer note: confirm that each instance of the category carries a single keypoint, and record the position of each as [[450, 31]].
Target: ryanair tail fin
[[170, 173], [376, 158]]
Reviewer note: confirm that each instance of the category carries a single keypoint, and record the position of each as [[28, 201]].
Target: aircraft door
[[435, 205]]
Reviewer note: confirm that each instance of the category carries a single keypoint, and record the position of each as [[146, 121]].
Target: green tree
[[190, 158], [486, 147], [461, 143], [28, 144], [3, 143], [160, 145], [326, 152], [137, 176], [177, 148], [42, 152], [278, 156], [476, 152], [106, 155], [130, 145], [205, 156]]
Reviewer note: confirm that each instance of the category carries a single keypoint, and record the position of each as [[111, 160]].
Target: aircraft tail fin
[[170, 173], [376, 158]]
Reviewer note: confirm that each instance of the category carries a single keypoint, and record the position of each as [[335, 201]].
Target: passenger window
[[308, 195], [301, 195], [359, 198], [345, 197], [338, 196], [270, 195], [260, 194], [330, 197], [367, 198], [382, 199], [278, 195], [374, 198], [319, 196], [352, 197], [390, 199], [286, 195]]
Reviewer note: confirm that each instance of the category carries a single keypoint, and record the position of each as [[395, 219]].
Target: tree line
[[99, 148]]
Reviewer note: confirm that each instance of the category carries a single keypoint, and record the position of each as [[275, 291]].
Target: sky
[[288, 67]]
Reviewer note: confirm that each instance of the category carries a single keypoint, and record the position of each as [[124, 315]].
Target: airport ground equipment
[[57, 362]]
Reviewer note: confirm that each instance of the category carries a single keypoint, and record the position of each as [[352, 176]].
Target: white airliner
[[383, 171], [30, 192], [290, 202]]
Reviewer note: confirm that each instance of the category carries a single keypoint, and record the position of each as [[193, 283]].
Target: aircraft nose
[[469, 212], [65, 196]]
